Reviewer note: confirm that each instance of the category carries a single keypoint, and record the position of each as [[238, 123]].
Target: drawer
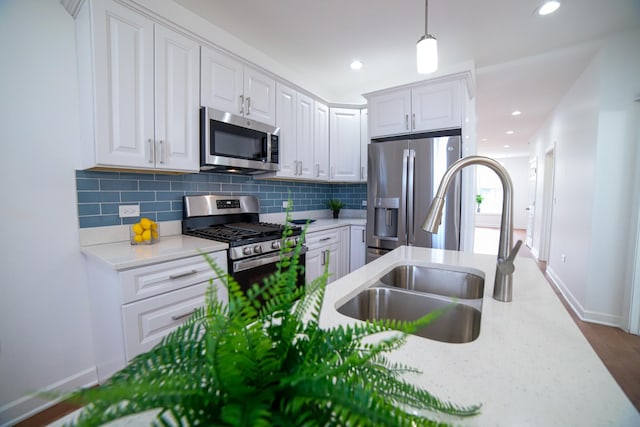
[[146, 322], [322, 238], [145, 282]]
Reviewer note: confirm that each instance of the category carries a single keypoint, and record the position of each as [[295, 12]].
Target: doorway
[[548, 200], [531, 205]]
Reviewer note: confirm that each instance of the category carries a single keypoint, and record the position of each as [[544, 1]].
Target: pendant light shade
[[427, 48], [427, 54]]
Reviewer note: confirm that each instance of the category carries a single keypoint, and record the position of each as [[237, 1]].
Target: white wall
[[592, 131], [45, 338]]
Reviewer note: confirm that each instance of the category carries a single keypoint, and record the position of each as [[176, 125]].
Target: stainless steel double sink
[[409, 292]]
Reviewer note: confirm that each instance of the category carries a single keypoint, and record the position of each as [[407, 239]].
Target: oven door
[[254, 270]]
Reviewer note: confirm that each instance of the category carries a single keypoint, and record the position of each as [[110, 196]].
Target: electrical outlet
[[285, 204], [364, 203], [126, 211]]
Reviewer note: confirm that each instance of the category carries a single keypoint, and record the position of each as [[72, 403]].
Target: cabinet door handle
[[185, 274], [363, 235], [406, 121], [300, 167], [183, 315], [333, 172], [323, 260], [413, 121], [161, 151], [324, 239], [241, 104], [248, 105], [361, 173], [151, 150], [317, 170]]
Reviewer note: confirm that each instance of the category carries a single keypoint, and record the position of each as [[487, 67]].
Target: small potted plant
[[479, 200], [335, 205]]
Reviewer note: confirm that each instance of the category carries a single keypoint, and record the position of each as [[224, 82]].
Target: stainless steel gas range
[[254, 246]]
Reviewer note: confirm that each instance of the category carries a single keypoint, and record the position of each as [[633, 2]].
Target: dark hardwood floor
[[618, 350]]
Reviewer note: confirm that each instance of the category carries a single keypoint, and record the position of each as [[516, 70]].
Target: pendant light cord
[[426, 16]]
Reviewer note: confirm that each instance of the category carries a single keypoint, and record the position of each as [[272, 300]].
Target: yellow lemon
[[137, 228], [154, 225], [145, 223], [146, 235], [137, 238], [154, 234]]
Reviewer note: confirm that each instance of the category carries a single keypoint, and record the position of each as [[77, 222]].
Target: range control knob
[[257, 249], [246, 250], [275, 244]]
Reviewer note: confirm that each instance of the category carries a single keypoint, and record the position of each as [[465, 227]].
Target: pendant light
[[427, 48]]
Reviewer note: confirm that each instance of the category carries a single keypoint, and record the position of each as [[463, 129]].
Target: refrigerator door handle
[[405, 194], [411, 176]]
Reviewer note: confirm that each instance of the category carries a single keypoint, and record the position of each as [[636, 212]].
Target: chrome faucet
[[503, 284]]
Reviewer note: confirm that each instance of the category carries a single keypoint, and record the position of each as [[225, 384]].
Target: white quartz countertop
[[326, 224], [123, 255], [530, 365]]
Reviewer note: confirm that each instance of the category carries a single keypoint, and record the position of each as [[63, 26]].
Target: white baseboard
[[534, 253], [29, 405], [584, 315]]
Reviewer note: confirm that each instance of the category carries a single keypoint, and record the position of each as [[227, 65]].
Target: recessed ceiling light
[[506, 146], [548, 7], [516, 113], [484, 140], [509, 132], [356, 65]]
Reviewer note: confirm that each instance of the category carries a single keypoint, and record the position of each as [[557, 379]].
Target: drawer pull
[[183, 315], [324, 239], [185, 274]]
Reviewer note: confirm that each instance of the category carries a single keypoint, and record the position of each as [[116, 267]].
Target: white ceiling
[[523, 61]]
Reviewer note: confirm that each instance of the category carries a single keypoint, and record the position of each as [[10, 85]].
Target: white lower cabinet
[[326, 247], [132, 310], [357, 247]]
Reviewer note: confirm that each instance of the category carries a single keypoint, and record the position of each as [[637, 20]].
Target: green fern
[[264, 360]]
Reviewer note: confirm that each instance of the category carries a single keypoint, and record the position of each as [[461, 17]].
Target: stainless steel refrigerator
[[404, 175]]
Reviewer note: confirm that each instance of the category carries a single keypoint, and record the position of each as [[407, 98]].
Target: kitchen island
[[530, 365]]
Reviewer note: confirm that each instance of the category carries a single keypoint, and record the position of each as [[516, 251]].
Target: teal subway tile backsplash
[[160, 196]]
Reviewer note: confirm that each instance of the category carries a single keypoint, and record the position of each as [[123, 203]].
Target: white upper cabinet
[[364, 143], [426, 107], [436, 106], [389, 113], [231, 86], [344, 144], [139, 91], [321, 141], [296, 116]]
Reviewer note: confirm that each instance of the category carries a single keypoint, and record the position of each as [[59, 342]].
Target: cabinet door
[[321, 141], [313, 264], [357, 247], [304, 132], [123, 67], [364, 143], [344, 144], [344, 252], [286, 121], [436, 106], [221, 81], [259, 96], [389, 113], [176, 101], [334, 255]]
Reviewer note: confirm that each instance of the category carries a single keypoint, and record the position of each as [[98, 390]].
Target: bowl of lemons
[[144, 232]]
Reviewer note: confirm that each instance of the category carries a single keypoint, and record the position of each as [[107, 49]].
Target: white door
[[531, 207], [321, 141], [389, 113], [177, 102], [124, 87], [344, 144], [304, 136], [221, 81], [286, 121], [259, 96]]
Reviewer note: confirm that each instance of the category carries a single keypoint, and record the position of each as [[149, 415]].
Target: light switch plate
[[127, 211]]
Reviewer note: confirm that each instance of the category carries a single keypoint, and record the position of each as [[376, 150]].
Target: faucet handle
[[506, 266]]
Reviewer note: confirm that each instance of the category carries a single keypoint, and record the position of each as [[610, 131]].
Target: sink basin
[[460, 323], [439, 281]]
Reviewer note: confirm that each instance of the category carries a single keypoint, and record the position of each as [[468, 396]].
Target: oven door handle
[[243, 265]]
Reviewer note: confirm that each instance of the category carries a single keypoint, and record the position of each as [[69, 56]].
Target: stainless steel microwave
[[232, 143]]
